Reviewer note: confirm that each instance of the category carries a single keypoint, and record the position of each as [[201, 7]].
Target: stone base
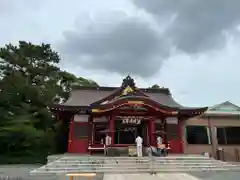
[[124, 151]]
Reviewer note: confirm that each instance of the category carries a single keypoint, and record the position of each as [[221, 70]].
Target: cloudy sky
[[189, 46]]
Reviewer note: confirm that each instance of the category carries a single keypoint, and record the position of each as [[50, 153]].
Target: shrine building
[[123, 113]]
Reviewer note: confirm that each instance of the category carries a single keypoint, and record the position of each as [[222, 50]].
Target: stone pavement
[[224, 175], [22, 171], [19, 170], [144, 176]]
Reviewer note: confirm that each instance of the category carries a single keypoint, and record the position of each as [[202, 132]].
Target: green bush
[[26, 144]]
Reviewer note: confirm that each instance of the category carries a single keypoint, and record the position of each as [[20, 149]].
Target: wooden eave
[[64, 108], [114, 89], [191, 112], [132, 100]]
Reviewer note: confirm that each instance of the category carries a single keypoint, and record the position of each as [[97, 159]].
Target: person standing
[[139, 142], [159, 142], [160, 145], [108, 142]]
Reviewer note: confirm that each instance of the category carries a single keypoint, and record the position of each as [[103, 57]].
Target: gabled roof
[[87, 96], [106, 98], [127, 88], [224, 108]]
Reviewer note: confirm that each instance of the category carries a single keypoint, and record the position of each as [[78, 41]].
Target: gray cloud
[[14, 6], [126, 46], [199, 25]]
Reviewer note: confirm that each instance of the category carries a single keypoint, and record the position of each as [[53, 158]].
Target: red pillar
[[70, 136], [90, 129], [146, 134], [112, 127], [152, 130], [180, 134], [164, 121]]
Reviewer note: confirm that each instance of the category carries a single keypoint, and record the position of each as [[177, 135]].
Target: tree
[[30, 79], [67, 80], [155, 86]]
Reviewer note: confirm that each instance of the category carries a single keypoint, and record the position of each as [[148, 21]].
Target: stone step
[[139, 164], [139, 167], [142, 164], [138, 170], [136, 160], [131, 158], [133, 164], [144, 169]]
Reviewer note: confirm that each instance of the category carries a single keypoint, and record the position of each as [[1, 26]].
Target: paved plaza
[[227, 175], [22, 171], [162, 176]]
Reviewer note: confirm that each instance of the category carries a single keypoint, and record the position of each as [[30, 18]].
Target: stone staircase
[[172, 163]]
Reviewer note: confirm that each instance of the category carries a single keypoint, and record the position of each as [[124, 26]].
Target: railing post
[[223, 155], [151, 163], [217, 154], [220, 154], [237, 154]]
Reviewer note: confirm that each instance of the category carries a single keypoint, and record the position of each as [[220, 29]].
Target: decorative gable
[[126, 91], [225, 107], [128, 88]]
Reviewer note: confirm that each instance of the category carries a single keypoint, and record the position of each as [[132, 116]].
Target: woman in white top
[[139, 142], [108, 142]]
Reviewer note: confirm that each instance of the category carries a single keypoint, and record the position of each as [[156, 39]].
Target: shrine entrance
[[127, 128], [125, 135]]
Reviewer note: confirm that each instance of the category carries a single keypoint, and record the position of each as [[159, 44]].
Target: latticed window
[[228, 135], [198, 135], [99, 136], [172, 131], [81, 131]]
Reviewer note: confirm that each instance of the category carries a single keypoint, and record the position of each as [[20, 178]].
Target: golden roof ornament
[[127, 90]]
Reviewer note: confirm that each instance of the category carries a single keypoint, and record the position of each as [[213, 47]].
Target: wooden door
[[174, 138], [79, 140]]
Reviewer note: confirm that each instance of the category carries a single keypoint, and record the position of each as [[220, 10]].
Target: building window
[[197, 135], [99, 135], [228, 135], [81, 131], [172, 131]]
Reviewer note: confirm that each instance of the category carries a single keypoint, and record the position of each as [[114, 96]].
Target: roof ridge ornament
[[128, 81], [127, 90]]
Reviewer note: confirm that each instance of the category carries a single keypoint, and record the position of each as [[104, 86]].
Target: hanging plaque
[[172, 120], [131, 120]]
